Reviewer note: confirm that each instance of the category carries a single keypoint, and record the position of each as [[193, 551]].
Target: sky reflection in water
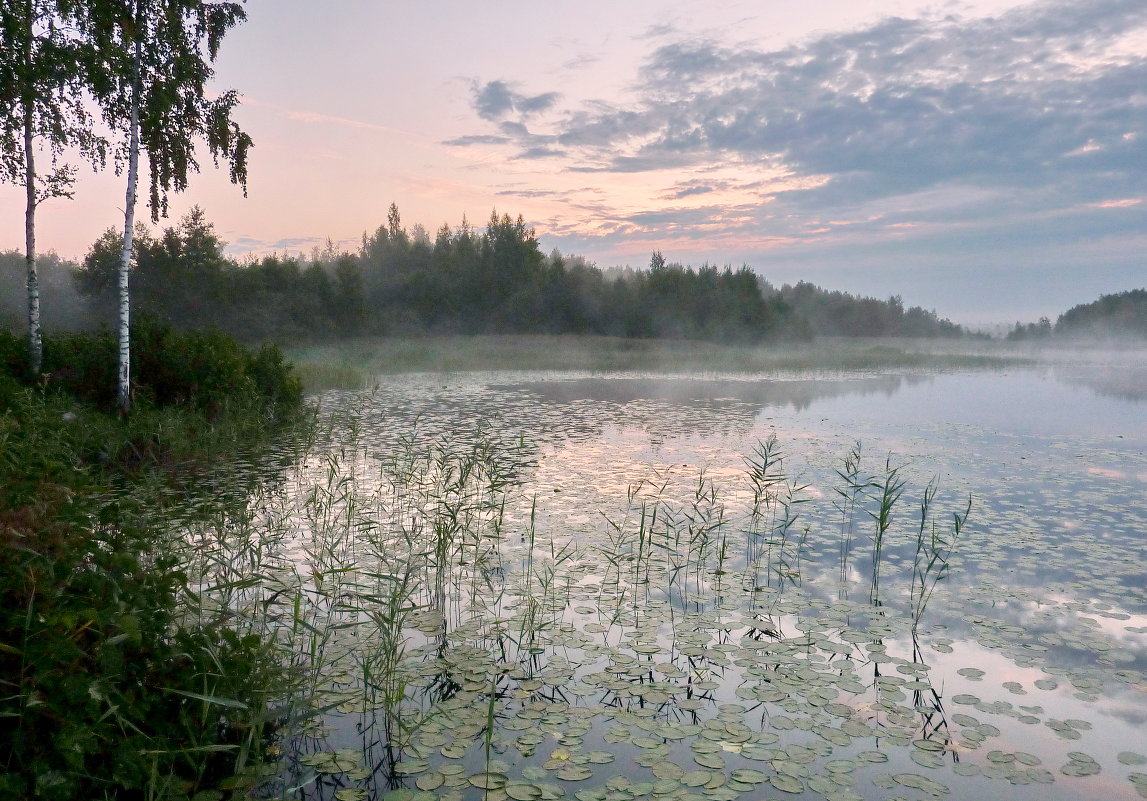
[[1048, 590]]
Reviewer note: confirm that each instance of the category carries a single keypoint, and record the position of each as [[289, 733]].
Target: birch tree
[[42, 79], [156, 63]]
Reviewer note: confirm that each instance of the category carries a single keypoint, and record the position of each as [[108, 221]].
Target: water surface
[[627, 627]]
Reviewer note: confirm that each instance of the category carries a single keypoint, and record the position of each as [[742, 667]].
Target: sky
[[986, 159]]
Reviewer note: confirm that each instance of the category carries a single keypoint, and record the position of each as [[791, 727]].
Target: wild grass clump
[[318, 377], [103, 694], [110, 688]]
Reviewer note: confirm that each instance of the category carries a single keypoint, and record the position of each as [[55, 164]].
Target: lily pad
[[786, 783]]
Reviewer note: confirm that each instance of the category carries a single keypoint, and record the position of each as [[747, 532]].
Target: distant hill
[[1123, 314]]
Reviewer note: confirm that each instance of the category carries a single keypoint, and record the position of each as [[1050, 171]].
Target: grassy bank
[[114, 684], [349, 363]]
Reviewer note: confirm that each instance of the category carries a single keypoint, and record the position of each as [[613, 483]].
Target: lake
[[535, 585]]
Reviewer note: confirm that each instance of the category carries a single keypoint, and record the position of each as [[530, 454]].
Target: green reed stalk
[[933, 554], [853, 489], [889, 488]]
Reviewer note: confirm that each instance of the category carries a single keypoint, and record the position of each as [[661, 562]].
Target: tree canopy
[[465, 280]]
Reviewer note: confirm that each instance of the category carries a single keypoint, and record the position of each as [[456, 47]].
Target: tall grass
[[933, 552], [887, 490], [849, 495], [594, 353]]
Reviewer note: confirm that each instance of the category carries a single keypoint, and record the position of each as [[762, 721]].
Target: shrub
[[103, 687], [83, 366], [113, 687], [203, 370], [276, 383]]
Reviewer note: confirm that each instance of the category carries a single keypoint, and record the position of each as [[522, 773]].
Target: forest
[[461, 281], [1119, 315]]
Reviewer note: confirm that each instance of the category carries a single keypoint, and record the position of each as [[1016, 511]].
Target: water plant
[[933, 551], [453, 626], [849, 495], [887, 490]]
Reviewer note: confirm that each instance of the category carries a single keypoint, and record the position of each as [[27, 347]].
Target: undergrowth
[[106, 690]]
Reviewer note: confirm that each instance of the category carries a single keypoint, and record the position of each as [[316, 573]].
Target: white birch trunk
[[35, 339], [123, 384]]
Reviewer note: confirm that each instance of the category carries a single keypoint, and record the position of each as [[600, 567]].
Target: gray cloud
[[693, 188], [291, 242], [529, 193], [478, 139], [496, 99], [580, 62], [657, 31], [895, 107], [244, 244], [540, 152], [907, 104]]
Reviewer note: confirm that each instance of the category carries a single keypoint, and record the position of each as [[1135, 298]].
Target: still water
[[638, 618]]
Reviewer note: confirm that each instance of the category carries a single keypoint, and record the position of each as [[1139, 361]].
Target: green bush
[[111, 686], [82, 366], [203, 370], [104, 689], [13, 354], [276, 383]]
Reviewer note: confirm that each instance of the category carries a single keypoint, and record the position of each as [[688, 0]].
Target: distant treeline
[[1121, 315], [460, 281]]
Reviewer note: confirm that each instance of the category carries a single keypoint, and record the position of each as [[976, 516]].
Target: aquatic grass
[[933, 552], [765, 471], [852, 491], [886, 491], [599, 354], [121, 677], [787, 556], [527, 654], [320, 376]]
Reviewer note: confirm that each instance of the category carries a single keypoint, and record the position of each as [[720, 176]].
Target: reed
[[417, 589], [603, 353], [933, 552], [886, 490], [849, 495]]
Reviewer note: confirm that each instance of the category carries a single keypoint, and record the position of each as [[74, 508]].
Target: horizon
[[986, 161]]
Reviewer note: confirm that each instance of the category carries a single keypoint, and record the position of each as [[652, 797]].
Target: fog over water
[[635, 618]]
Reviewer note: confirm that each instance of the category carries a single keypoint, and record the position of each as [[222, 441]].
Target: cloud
[[496, 100], [657, 31], [580, 62], [689, 189], [530, 193], [540, 152], [1037, 96], [290, 242], [478, 139]]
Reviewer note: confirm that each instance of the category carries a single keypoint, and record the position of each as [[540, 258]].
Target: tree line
[[1120, 315], [462, 281]]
